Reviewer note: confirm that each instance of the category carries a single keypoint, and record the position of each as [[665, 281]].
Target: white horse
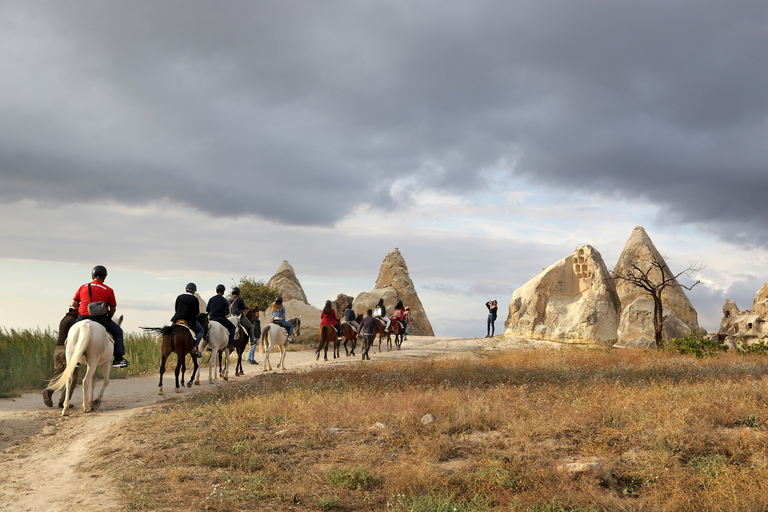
[[218, 339], [88, 342], [274, 335]]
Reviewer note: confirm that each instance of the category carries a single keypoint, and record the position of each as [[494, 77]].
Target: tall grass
[[26, 358], [671, 432]]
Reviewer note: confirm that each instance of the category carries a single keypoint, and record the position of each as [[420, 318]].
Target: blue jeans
[[112, 328], [229, 326], [491, 327], [200, 332], [288, 325]]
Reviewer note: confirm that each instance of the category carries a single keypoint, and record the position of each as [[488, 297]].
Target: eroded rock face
[[572, 301], [745, 327], [286, 282], [393, 284], [636, 321]]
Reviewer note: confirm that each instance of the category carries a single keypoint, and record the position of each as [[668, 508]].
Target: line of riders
[[96, 301]]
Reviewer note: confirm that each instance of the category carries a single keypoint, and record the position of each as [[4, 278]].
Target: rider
[[399, 313], [217, 309], [278, 317], [237, 308], [254, 341], [60, 356], [328, 317], [97, 291], [187, 308], [349, 317], [381, 312]]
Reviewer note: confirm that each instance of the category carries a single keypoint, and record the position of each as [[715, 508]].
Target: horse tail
[[84, 337], [263, 340]]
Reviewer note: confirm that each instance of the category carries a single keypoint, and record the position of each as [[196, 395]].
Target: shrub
[[694, 343]]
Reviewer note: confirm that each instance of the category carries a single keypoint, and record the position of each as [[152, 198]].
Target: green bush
[[759, 347], [693, 343]]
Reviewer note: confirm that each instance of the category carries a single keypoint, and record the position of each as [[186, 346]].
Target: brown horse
[[398, 329], [177, 339], [241, 342], [381, 330], [327, 334], [350, 335]]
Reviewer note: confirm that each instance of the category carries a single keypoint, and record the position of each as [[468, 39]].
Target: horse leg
[[194, 375], [105, 371], [212, 371], [179, 362], [162, 371], [70, 387], [88, 387], [283, 351], [183, 358]]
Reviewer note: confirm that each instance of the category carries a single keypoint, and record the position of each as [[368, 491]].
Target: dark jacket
[[187, 308], [66, 323], [218, 307], [236, 306]]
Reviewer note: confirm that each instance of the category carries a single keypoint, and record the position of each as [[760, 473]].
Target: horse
[[326, 334], [217, 340], [350, 335], [88, 342], [241, 341], [180, 340], [380, 329], [274, 335], [398, 329]]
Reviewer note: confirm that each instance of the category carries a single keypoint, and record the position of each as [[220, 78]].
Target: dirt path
[[43, 453]]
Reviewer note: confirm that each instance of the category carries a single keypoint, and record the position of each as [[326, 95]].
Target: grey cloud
[[287, 110]]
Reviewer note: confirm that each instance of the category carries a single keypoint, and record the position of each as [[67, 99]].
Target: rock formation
[[286, 282], [572, 301], [393, 284], [636, 321], [745, 326]]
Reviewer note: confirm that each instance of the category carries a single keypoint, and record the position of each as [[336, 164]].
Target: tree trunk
[[658, 319]]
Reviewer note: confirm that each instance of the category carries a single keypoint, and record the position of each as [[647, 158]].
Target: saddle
[[344, 322], [284, 328], [184, 323]]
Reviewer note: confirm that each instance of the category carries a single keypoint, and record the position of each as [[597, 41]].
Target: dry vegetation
[[655, 431]]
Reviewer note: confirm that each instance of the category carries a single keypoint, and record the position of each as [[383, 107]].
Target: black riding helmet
[[328, 303], [235, 291], [99, 272], [221, 288], [279, 300], [191, 288], [381, 301]]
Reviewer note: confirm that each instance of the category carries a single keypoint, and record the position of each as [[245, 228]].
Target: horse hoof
[[189, 384], [225, 378], [178, 390], [160, 391]]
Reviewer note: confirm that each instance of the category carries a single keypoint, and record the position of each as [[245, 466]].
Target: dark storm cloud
[[289, 110]]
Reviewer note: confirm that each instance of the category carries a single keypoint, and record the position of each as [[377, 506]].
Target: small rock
[[427, 420]]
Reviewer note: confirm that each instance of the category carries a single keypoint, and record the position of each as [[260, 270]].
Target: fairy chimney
[[393, 284], [287, 284], [636, 321], [572, 301]]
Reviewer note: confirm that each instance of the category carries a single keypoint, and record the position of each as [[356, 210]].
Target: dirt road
[[43, 453]]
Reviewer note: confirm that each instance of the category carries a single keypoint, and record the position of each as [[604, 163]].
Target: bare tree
[[653, 275]]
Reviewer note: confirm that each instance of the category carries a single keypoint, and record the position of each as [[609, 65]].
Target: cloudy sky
[[182, 141]]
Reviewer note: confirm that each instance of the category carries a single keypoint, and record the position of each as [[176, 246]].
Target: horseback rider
[[278, 317], [399, 313], [237, 309], [381, 312], [187, 308], [328, 317], [60, 357], [349, 317], [217, 309], [94, 295]]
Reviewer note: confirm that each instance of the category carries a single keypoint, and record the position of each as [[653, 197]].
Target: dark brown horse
[[350, 335], [241, 342], [327, 335], [180, 340], [380, 329], [397, 328]]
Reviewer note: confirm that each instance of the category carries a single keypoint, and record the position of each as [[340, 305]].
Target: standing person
[[407, 321], [381, 312], [278, 317], [60, 357], [237, 309], [349, 317], [492, 309], [254, 341], [97, 292], [328, 317], [218, 309], [187, 308], [367, 330]]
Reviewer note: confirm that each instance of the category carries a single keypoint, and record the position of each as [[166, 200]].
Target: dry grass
[[666, 433]]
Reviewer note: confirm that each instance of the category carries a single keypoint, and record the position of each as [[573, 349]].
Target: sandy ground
[[42, 453]]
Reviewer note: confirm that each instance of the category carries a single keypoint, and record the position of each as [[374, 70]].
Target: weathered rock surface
[[393, 284], [636, 321], [745, 327], [572, 301], [286, 282]]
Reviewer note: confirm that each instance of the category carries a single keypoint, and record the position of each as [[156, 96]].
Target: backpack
[[234, 310]]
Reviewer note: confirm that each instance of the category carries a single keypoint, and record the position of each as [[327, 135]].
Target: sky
[[206, 141]]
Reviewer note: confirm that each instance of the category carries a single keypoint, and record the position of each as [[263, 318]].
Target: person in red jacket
[[328, 317]]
